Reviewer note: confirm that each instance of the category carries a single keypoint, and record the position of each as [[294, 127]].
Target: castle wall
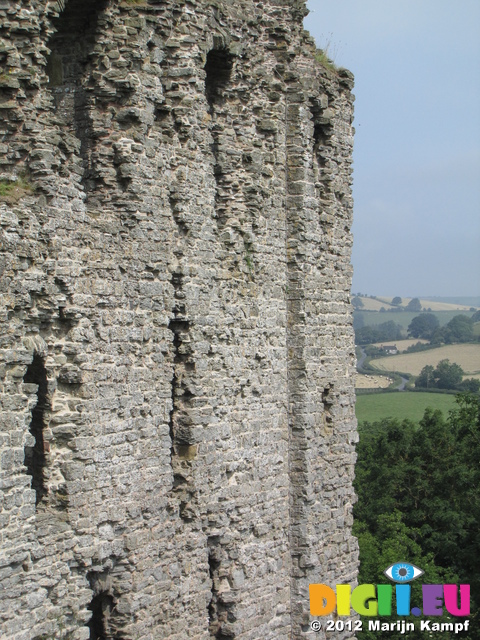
[[176, 357]]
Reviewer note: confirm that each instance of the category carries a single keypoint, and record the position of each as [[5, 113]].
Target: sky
[[417, 142]]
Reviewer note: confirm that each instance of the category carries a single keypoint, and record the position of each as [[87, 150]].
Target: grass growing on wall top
[[321, 56]]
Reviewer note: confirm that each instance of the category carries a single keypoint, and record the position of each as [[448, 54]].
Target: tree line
[[419, 502], [424, 326], [459, 329], [446, 375]]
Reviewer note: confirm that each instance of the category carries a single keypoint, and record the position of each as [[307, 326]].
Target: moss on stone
[[13, 191]]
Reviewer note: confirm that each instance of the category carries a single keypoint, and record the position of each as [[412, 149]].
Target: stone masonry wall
[[176, 348]]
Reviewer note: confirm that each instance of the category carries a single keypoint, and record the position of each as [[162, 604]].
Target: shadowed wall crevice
[[68, 70], [35, 456], [220, 607], [183, 446], [218, 70], [327, 401], [106, 623]]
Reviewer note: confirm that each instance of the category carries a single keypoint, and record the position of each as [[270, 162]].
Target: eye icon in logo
[[402, 572]]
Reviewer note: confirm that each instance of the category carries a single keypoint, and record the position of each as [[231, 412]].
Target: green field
[[400, 405], [403, 318]]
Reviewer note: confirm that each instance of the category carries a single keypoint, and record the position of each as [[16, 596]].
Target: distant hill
[[379, 303], [403, 318], [469, 301]]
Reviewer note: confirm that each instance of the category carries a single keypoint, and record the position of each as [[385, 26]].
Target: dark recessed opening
[[321, 134], [35, 459], [327, 400], [101, 607], [73, 40], [218, 69], [220, 612], [104, 623], [72, 46]]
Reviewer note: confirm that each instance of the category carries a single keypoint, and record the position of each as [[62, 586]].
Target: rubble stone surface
[[176, 349]]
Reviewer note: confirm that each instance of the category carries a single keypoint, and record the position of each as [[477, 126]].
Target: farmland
[[372, 382], [375, 303], [400, 405], [466, 355], [433, 305], [403, 318], [402, 345], [373, 401]]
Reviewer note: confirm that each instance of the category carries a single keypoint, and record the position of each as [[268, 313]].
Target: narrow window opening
[[322, 132], [321, 138], [71, 49], [102, 623], [35, 458], [218, 69], [101, 607], [73, 41]]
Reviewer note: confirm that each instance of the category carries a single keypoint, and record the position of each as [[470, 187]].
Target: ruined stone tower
[[176, 355]]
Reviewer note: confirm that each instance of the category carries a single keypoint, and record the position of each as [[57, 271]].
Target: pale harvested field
[[466, 355], [428, 304], [375, 304], [370, 304], [372, 382], [402, 345]]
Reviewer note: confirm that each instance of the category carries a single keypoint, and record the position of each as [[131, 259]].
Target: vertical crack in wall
[[220, 607], [296, 366], [35, 458], [183, 446], [177, 207], [324, 165], [327, 401], [300, 214]]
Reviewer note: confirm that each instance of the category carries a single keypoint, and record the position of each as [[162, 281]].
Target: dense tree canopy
[[448, 374], [383, 332], [418, 500], [423, 326], [357, 303], [426, 378], [459, 329], [414, 305]]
